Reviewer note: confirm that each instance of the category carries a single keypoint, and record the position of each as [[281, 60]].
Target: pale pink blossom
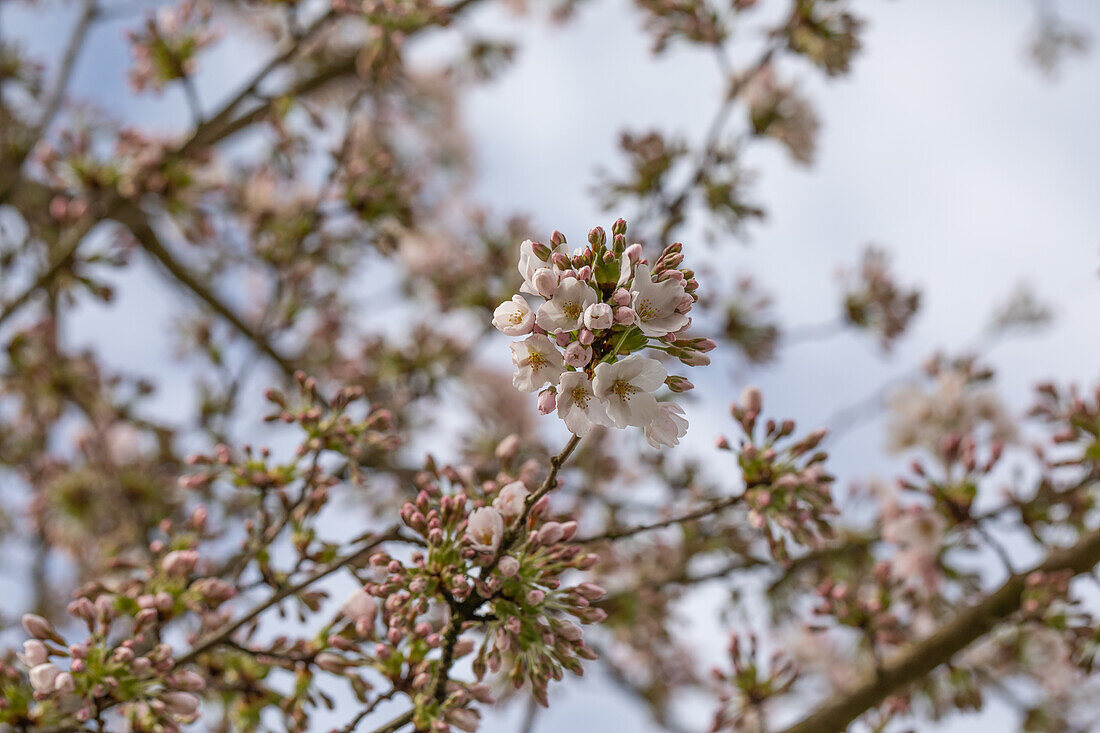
[[43, 677], [537, 362], [577, 355], [34, 653], [509, 502], [655, 304], [598, 316], [565, 311], [360, 609], [485, 528], [627, 387], [514, 317], [668, 428], [578, 405]]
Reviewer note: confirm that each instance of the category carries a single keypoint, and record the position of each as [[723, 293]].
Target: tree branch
[[700, 513], [922, 658], [222, 635], [137, 222]]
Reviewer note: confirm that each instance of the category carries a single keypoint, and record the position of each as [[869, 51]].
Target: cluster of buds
[[122, 661], [753, 681], [327, 425], [956, 488], [495, 560], [787, 488], [167, 47], [875, 301], [71, 682], [604, 304], [865, 607]]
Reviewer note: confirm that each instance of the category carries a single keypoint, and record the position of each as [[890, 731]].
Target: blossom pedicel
[[603, 306]]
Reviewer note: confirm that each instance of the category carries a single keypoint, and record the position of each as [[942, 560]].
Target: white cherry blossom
[[627, 388], [509, 501], [537, 362], [565, 311], [668, 428], [529, 264], [655, 304], [578, 405], [485, 529], [514, 317], [598, 316]]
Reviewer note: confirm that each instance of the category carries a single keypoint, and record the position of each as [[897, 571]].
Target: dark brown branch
[[922, 658], [136, 221]]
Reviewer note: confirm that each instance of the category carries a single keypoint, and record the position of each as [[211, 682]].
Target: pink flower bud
[[180, 562], [37, 626], [598, 316], [585, 273], [685, 304], [586, 337], [181, 704], [621, 297], [752, 399], [550, 533], [634, 253], [562, 339], [624, 315], [545, 281], [577, 355], [508, 566], [535, 597], [64, 683], [34, 653], [547, 402], [507, 448]]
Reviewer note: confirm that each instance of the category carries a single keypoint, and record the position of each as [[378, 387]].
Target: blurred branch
[[956, 635], [136, 221], [222, 635], [705, 511]]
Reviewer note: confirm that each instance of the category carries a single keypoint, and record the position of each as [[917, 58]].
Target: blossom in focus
[[604, 305], [578, 405], [627, 387], [565, 311], [537, 362], [514, 317], [655, 303]]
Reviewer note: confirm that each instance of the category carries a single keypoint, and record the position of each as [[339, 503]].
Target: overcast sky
[[944, 145]]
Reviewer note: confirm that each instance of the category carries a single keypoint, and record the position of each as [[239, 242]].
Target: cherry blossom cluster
[[167, 47], [600, 307], [122, 660], [787, 487], [755, 679], [496, 559]]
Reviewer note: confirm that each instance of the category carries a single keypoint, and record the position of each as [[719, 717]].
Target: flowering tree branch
[[941, 646]]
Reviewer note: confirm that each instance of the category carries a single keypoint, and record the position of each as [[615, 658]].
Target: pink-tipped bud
[[625, 316], [752, 399], [547, 401], [37, 626]]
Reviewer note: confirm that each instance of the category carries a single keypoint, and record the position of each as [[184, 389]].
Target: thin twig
[[221, 635]]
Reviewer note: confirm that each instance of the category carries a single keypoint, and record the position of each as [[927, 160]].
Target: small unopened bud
[[37, 626], [507, 448], [547, 401]]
